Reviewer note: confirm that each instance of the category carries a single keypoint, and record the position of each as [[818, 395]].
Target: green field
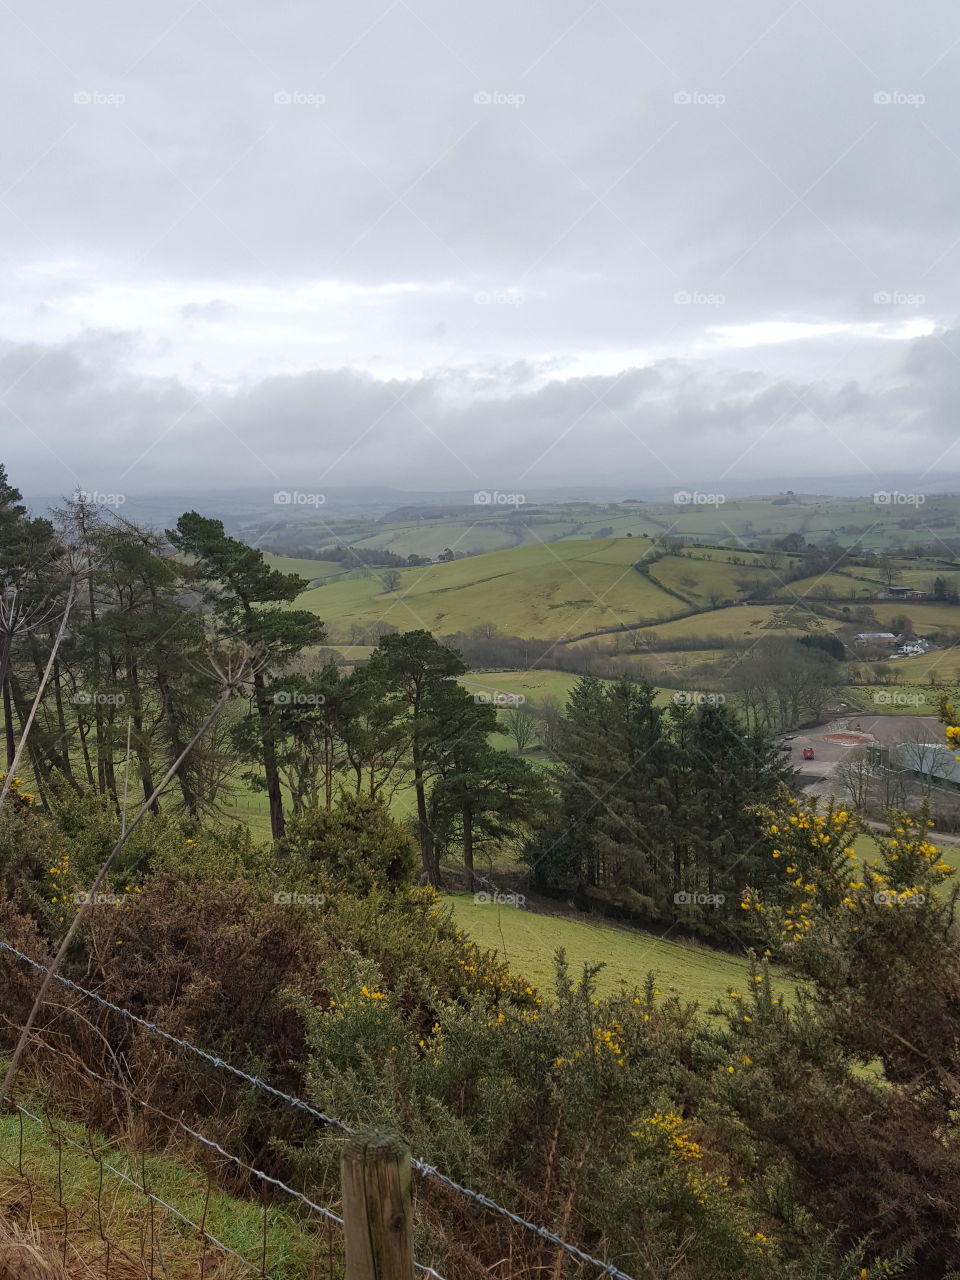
[[742, 622], [924, 616], [565, 589], [899, 698], [315, 571], [739, 523], [528, 942], [866, 848], [570, 589], [66, 1180], [581, 588], [943, 665], [534, 685]]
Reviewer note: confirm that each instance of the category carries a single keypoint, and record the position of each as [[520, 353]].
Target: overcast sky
[[438, 244]]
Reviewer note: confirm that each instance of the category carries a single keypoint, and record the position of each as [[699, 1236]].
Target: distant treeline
[[491, 651], [355, 557]]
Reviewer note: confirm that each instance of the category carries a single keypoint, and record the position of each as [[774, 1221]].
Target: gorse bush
[[355, 846], [559, 1107], [802, 1140]]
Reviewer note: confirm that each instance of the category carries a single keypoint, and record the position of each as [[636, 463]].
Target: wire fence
[[306, 1209]]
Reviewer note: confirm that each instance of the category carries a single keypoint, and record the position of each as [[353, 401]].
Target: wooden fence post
[[377, 1210]]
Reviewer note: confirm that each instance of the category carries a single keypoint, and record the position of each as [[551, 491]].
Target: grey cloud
[[70, 417], [801, 164]]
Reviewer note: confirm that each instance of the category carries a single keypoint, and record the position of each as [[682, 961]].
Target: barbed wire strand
[[324, 1212], [149, 1194], [422, 1167]]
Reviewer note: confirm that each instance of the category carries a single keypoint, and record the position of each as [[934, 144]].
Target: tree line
[[136, 673], [657, 811], [633, 805]]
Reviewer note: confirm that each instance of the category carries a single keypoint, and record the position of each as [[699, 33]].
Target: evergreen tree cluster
[[659, 809]]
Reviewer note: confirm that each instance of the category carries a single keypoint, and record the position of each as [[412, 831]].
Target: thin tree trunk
[[8, 722], [467, 817], [66, 764], [177, 744], [424, 831], [274, 791], [84, 731], [25, 735], [38, 762], [6, 651], [136, 715]]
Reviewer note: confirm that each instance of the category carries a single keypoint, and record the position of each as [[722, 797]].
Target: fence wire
[[425, 1169]]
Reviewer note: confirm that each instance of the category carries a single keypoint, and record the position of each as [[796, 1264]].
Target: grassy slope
[[582, 586], [291, 1250], [942, 664], [528, 942], [533, 685], [741, 622], [924, 616], [313, 570], [563, 589], [875, 527], [896, 698]]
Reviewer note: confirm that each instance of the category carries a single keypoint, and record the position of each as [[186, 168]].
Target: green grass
[[744, 622], [943, 665], [925, 616], [534, 685], [737, 524], [866, 849], [528, 942], [292, 1248], [564, 589], [314, 571], [902, 698]]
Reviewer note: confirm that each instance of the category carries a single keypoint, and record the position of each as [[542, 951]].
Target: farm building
[[901, 593], [876, 637], [930, 760]]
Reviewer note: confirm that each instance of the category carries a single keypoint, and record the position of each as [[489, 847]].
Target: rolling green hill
[[563, 589]]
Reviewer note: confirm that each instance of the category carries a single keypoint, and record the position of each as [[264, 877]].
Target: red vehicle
[[807, 753]]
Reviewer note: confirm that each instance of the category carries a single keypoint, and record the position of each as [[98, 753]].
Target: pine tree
[[246, 595]]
